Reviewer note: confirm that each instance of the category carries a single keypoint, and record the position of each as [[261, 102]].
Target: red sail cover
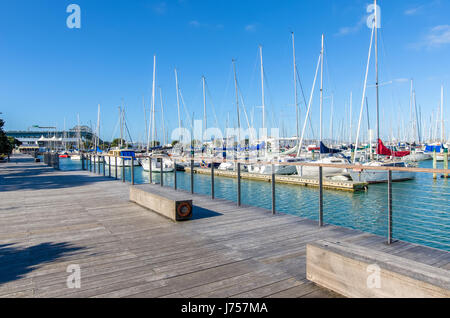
[[384, 151]]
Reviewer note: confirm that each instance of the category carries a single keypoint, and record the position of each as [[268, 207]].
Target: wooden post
[[104, 166], [82, 162], [109, 165], [320, 196], [95, 167], [389, 207]]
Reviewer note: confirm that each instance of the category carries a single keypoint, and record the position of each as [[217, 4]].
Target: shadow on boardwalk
[[16, 262], [32, 177]]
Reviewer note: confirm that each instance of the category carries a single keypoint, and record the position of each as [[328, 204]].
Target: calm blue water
[[421, 207]]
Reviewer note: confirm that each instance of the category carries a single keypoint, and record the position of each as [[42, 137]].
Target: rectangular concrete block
[[355, 271], [171, 206]]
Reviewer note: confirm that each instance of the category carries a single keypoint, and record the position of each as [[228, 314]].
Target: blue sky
[[50, 72]]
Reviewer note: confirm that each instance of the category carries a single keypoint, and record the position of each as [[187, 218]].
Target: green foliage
[[5, 146]]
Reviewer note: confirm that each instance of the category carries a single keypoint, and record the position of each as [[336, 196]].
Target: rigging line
[[126, 126], [208, 93], [185, 109], [306, 106], [115, 129]]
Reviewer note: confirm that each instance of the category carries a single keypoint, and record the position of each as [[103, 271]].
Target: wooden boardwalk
[[51, 219]]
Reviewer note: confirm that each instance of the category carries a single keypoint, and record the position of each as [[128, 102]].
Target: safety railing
[[429, 229]]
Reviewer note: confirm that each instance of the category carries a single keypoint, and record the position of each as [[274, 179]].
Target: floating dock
[[292, 179]]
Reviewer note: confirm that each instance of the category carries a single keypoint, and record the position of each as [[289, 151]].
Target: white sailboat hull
[[111, 161], [379, 176], [156, 165]]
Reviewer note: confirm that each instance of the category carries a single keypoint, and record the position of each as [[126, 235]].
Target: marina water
[[421, 209]]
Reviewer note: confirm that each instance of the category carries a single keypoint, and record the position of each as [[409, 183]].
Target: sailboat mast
[[295, 89], [204, 106], [162, 117], [237, 101], [262, 89], [321, 89], [442, 114], [121, 126], [178, 99], [153, 100], [376, 69]]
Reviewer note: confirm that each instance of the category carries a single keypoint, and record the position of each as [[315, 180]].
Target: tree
[[175, 142], [14, 142], [5, 146], [116, 142]]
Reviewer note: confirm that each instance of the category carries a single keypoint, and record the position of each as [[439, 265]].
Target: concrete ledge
[[172, 206], [355, 271]]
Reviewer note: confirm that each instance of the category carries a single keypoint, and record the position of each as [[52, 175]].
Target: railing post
[[95, 167], [104, 166], [90, 163], [115, 166], [434, 163], [239, 184], [123, 169], [150, 160], [82, 162], [192, 176], [320, 196], [389, 207], [162, 172], [273, 190], [212, 180], [109, 165], [98, 163], [175, 174], [132, 170]]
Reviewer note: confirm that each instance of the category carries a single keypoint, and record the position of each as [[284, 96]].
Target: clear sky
[[49, 72]]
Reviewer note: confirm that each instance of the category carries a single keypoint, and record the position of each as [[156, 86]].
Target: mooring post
[[109, 165], [192, 176], [95, 167], [82, 162], [104, 165], [115, 167], [132, 171], [90, 163], [123, 169], [175, 174], [273, 190], [239, 184], [389, 207], [162, 172], [212, 180], [320, 196], [98, 162]]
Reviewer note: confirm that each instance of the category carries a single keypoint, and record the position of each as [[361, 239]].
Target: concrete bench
[[173, 205], [355, 271]]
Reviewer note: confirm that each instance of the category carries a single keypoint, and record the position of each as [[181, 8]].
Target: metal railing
[[51, 159], [443, 222]]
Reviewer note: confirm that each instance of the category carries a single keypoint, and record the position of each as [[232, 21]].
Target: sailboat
[[384, 155], [76, 155], [155, 164], [333, 156]]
